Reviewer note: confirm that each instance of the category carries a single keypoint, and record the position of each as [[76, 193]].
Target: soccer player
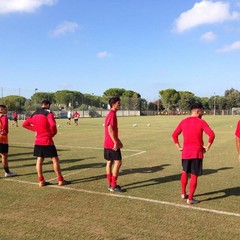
[[112, 145], [193, 148], [237, 134], [43, 123], [4, 141], [15, 118], [76, 115], [69, 116]]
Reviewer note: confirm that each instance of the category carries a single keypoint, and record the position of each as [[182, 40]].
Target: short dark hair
[[113, 100], [3, 106], [45, 102], [196, 106]]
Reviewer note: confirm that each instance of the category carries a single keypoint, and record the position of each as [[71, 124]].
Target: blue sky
[[140, 45]]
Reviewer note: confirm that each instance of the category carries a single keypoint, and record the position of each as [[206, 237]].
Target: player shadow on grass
[[123, 172], [235, 191], [166, 179]]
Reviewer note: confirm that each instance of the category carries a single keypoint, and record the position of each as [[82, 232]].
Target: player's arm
[[116, 141], [175, 135], [52, 123], [211, 136], [28, 125]]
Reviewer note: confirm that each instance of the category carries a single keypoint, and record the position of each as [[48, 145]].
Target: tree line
[[170, 100]]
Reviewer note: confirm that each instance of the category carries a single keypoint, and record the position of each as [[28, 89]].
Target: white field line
[[69, 174], [121, 195]]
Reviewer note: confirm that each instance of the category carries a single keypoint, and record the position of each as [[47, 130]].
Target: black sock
[[6, 169]]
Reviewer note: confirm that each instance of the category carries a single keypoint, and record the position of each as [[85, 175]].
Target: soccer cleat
[[184, 196], [192, 201], [43, 183], [109, 187], [10, 174], [116, 189], [64, 182]]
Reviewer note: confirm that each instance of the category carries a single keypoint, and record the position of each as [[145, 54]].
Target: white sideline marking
[[121, 195], [69, 174]]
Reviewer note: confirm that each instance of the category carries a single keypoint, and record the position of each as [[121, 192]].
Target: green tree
[[170, 98], [14, 102], [68, 99], [186, 100], [232, 98]]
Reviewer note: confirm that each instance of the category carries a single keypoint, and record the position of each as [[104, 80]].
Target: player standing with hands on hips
[[43, 123], [193, 148], [112, 145]]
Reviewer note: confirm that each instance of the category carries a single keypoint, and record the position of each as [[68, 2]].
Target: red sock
[[41, 178], [193, 186], [60, 178], [184, 181], [114, 181], [109, 178]]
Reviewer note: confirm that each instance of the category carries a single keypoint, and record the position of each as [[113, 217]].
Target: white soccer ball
[[149, 125], [58, 125]]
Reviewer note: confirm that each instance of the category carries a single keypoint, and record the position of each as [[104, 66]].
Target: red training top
[[110, 120], [3, 129], [43, 123], [192, 129], [237, 132]]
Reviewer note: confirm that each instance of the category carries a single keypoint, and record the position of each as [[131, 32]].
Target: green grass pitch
[[151, 207]]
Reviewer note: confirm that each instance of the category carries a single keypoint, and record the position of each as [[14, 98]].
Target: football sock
[[6, 169], [184, 181], [41, 178], [114, 181], [193, 186], [109, 178], [60, 178]]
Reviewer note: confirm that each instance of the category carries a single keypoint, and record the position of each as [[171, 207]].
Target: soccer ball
[[58, 125], [149, 125]]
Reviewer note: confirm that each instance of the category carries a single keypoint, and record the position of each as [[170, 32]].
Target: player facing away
[[112, 145], [193, 149], [42, 122], [4, 141]]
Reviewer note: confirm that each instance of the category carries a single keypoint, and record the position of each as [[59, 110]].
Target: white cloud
[[230, 48], [10, 6], [103, 54], [65, 27], [209, 36], [205, 12]]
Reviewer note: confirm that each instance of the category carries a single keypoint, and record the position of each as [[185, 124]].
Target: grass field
[[151, 207]]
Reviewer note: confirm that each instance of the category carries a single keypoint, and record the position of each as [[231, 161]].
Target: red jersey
[[3, 129], [43, 123], [76, 115], [110, 120], [192, 129], [237, 132]]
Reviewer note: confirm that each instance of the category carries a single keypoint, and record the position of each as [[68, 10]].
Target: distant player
[[4, 140], [76, 115], [43, 123], [15, 118], [193, 148], [112, 145], [69, 116]]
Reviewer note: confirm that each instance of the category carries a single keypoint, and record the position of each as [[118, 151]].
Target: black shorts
[[15, 119], [111, 155], [3, 148], [193, 166], [45, 151], [76, 120]]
